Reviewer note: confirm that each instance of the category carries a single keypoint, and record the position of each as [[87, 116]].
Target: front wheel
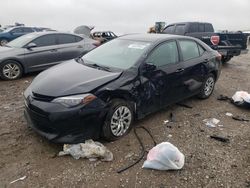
[[207, 87], [3, 42], [11, 70], [118, 121]]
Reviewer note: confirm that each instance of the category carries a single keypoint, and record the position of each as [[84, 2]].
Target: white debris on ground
[[90, 150], [229, 114], [19, 179], [164, 156], [165, 122], [211, 123]]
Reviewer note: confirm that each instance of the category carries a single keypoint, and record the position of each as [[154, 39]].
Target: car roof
[[182, 23], [50, 32], [153, 37]]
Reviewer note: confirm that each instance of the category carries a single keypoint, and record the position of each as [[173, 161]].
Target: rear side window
[[66, 39], [27, 30], [201, 27], [180, 29], [193, 28], [78, 39], [46, 40], [189, 49], [169, 29], [209, 28], [164, 54]]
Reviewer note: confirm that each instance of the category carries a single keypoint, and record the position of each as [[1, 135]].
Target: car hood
[[70, 78]]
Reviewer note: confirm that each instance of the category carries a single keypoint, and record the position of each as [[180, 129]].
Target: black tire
[[3, 41], [14, 74], [204, 93], [226, 59], [107, 132]]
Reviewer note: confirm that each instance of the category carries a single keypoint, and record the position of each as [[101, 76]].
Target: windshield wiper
[[98, 66]]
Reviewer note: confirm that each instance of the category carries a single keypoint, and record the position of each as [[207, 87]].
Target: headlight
[[75, 100]]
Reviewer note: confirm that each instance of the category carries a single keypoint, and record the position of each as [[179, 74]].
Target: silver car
[[40, 50]]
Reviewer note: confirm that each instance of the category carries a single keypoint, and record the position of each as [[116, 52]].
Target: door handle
[[179, 70], [53, 50], [206, 60], [80, 46]]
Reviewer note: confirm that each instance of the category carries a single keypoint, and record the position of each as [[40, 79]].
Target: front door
[[44, 55], [162, 86]]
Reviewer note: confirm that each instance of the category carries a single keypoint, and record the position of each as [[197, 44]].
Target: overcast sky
[[127, 16]]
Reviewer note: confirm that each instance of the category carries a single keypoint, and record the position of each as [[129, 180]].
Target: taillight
[[96, 43], [215, 40]]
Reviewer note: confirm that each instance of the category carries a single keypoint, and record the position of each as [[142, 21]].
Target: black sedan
[[125, 79], [40, 50]]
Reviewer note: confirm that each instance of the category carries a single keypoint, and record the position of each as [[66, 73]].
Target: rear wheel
[[226, 59], [11, 70], [207, 87], [118, 121]]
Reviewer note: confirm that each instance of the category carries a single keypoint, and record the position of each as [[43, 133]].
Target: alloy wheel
[[11, 71], [120, 121], [209, 85], [3, 42]]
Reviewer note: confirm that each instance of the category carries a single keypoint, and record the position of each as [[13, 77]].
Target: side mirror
[[31, 45], [149, 67]]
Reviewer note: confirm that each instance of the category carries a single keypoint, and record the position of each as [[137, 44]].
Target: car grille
[[40, 97]]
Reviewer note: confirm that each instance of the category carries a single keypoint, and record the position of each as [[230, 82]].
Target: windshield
[[22, 41], [118, 53], [8, 29]]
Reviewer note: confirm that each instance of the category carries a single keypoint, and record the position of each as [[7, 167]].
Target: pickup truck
[[228, 44]]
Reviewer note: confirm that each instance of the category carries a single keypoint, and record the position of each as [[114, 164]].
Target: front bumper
[[65, 125]]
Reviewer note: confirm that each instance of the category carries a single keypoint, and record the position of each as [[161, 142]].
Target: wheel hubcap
[[209, 86], [11, 71], [3, 42], [120, 121]]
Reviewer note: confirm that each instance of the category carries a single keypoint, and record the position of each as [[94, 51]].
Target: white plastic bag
[[241, 97], [164, 156]]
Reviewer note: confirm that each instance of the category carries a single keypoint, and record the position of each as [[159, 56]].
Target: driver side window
[[17, 30], [46, 40], [166, 53]]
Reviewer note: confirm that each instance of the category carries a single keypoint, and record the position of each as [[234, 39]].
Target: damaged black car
[[102, 93]]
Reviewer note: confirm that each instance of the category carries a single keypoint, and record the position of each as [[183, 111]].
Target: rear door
[[44, 55], [162, 85], [70, 46], [193, 66]]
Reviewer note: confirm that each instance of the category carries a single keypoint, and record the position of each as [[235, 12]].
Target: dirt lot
[[209, 163]]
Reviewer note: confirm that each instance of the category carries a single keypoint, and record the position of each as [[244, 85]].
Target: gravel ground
[[208, 163]]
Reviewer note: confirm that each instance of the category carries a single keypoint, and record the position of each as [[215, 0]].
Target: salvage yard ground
[[209, 163]]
